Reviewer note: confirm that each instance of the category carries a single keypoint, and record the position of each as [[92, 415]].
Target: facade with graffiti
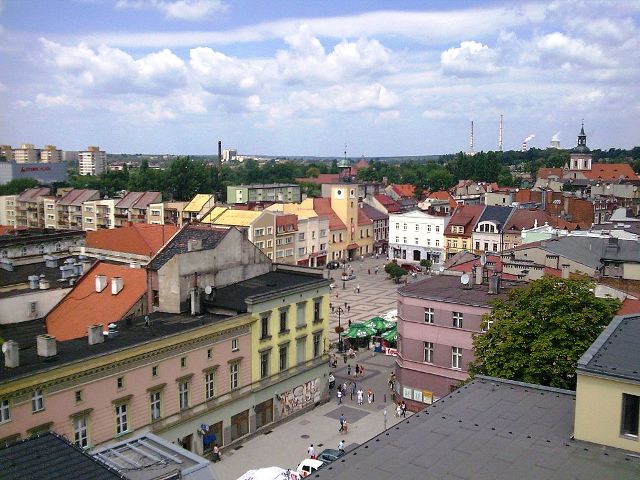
[[300, 397]]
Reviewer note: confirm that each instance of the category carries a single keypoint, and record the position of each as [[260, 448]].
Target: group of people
[[350, 388], [311, 452], [401, 409]]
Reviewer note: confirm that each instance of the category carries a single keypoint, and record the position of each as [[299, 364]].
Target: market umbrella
[[391, 335], [358, 330], [270, 473], [380, 324]]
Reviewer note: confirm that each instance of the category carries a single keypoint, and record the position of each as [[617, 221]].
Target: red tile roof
[[322, 207], [444, 195], [287, 219], [83, 306], [387, 202], [610, 171], [545, 172], [320, 179], [465, 216], [137, 238], [363, 218], [9, 229], [629, 306], [404, 190]]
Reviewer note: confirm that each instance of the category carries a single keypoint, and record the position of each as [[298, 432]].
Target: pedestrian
[[361, 371], [403, 407], [370, 395], [216, 453], [398, 410], [360, 397], [349, 370], [369, 271], [341, 446], [362, 258], [376, 270], [339, 395], [354, 289], [311, 452], [358, 288], [342, 420], [353, 389], [357, 370]]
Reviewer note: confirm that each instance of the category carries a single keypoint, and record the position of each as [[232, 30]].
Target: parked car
[[308, 466], [333, 265], [332, 380], [329, 455], [410, 268]]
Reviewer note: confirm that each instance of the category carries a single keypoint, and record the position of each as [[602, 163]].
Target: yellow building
[[198, 207], [608, 387]]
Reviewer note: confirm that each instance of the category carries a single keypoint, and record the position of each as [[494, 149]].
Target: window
[[437, 228], [283, 321], [437, 243], [300, 320], [5, 413], [429, 228], [154, 371], [155, 213], [316, 311], [23, 251], [234, 345], [284, 358], [78, 395], [323, 232], [397, 226], [302, 251], [183, 394], [428, 352], [477, 245], [486, 246], [154, 405], [209, 353], [265, 357], [264, 327], [397, 239], [120, 383], [41, 249], [404, 226], [300, 237], [209, 385], [260, 245], [457, 319], [37, 401], [416, 241], [233, 375], [122, 421], [417, 227], [316, 344], [269, 230], [301, 350], [486, 324], [630, 410], [456, 357], [269, 243], [404, 240], [259, 232], [80, 434], [428, 315]]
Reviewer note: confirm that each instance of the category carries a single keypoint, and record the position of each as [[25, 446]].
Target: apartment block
[[99, 214], [416, 236], [133, 207], [30, 207], [8, 210], [275, 192], [92, 161]]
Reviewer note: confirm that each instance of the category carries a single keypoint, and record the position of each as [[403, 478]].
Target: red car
[[410, 268]]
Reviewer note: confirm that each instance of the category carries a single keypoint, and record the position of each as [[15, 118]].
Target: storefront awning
[[352, 246]]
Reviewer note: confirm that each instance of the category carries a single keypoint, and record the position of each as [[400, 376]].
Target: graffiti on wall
[[299, 397]]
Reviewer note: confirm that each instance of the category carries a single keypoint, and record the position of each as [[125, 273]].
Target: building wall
[[458, 243], [8, 209], [31, 250], [486, 241], [429, 233], [631, 271], [498, 198], [20, 308], [45, 173], [604, 397]]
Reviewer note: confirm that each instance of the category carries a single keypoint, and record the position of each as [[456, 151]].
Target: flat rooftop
[[447, 288], [488, 429]]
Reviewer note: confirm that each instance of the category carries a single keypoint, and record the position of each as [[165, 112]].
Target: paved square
[[351, 414]]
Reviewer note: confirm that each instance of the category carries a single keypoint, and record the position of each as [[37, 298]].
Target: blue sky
[[306, 77]]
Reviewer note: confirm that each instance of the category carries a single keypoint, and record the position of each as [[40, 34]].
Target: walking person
[[376, 270], [360, 397], [349, 370], [398, 410], [311, 452], [216, 453], [357, 370], [342, 422], [341, 447], [361, 371], [358, 288], [353, 389], [339, 395], [403, 406], [370, 395]]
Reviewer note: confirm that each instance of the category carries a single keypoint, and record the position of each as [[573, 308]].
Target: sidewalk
[[286, 445]]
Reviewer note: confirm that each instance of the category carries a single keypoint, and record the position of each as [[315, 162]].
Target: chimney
[[195, 301], [101, 283], [565, 270], [46, 346], [51, 261], [86, 265], [219, 152], [194, 245], [479, 274], [6, 264], [494, 284], [43, 283], [11, 352], [94, 334], [33, 281], [117, 284]]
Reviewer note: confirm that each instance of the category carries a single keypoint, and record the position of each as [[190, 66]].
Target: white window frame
[[234, 345], [457, 319], [429, 314], [234, 371], [183, 394], [429, 349], [81, 431], [209, 385], [5, 410], [122, 419], [155, 405], [456, 358], [37, 401]]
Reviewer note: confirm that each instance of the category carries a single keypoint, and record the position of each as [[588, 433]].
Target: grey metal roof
[[488, 429], [373, 213], [180, 243], [591, 250], [49, 456], [236, 296], [497, 214], [616, 352]]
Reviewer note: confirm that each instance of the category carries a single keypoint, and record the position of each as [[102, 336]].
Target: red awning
[[351, 246]]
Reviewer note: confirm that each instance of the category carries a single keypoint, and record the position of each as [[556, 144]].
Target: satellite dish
[[4, 348], [464, 279], [483, 260], [208, 289]]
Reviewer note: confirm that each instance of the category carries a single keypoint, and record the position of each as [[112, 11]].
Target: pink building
[[437, 318]]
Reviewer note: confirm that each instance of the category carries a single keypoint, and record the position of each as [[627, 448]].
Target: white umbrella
[[270, 473]]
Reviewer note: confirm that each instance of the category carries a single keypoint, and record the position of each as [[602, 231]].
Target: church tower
[[580, 156]]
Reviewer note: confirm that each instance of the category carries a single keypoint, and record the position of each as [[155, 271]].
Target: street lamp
[[340, 310]]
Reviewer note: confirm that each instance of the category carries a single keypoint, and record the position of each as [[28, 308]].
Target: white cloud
[[562, 49], [470, 59], [52, 101], [177, 9], [344, 98], [434, 114], [219, 73]]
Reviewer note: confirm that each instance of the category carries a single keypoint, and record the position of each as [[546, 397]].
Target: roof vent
[[94, 334], [33, 281], [11, 352], [50, 261], [43, 283], [6, 264], [101, 283], [194, 245], [46, 346], [112, 330], [117, 284]]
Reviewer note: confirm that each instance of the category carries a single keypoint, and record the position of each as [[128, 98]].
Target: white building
[[415, 236], [312, 242], [229, 155], [92, 161], [8, 209], [50, 154]]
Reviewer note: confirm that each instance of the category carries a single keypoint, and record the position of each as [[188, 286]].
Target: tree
[[313, 172], [394, 271], [538, 334], [426, 263], [17, 186]]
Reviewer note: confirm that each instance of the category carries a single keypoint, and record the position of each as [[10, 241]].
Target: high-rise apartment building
[[92, 161], [50, 154], [27, 153]]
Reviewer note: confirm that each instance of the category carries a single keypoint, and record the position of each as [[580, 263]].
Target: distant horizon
[[384, 78]]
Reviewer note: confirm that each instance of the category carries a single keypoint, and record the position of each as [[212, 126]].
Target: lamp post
[[340, 310]]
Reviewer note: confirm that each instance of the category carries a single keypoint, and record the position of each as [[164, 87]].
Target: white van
[[308, 466]]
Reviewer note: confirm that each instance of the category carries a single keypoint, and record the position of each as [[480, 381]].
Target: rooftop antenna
[[471, 150], [500, 135], [345, 151], [464, 280]]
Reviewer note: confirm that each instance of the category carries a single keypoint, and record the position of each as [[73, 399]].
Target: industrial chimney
[[220, 152]]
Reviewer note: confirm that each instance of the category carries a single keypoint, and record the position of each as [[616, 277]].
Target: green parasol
[[391, 335], [380, 324], [358, 330]]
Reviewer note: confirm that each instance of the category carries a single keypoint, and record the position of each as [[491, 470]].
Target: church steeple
[[582, 137]]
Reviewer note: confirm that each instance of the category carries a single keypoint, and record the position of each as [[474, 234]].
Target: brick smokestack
[[219, 152]]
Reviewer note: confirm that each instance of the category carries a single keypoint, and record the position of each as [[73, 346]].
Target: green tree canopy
[[538, 334], [17, 186]]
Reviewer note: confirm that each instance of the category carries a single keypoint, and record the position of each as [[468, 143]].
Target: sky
[[293, 77]]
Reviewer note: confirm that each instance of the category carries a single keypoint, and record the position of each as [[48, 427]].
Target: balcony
[[123, 216]]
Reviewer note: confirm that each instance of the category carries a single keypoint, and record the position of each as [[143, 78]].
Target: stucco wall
[[17, 308], [599, 410]]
